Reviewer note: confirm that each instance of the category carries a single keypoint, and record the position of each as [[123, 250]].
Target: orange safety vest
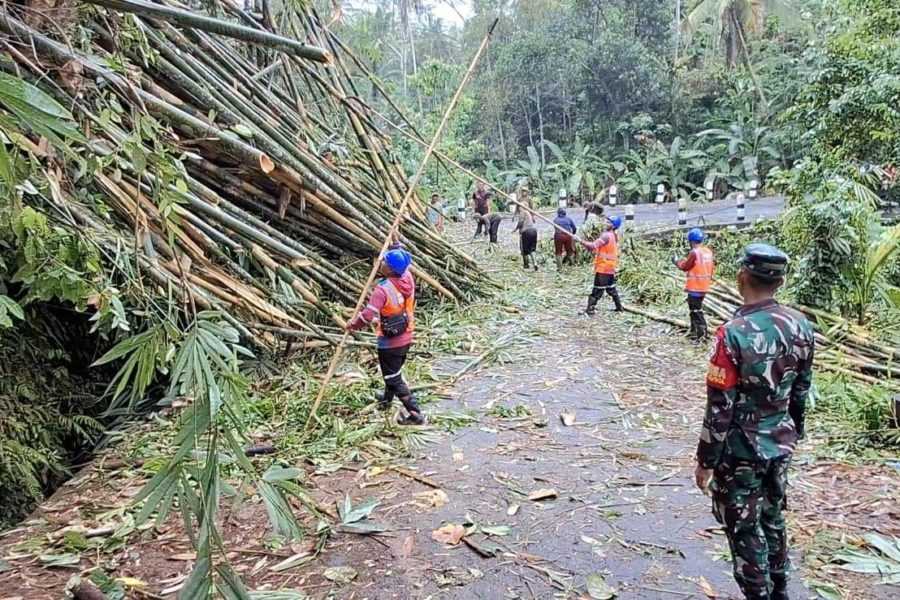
[[699, 277], [606, 257], [396, 303]]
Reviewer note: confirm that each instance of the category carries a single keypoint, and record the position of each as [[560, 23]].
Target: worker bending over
[[491, 222], [606, 261], [391, 307], [700, 266]]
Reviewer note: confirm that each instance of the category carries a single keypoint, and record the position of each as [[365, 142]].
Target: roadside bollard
[[753, 189], [629, 217], [613, 194], [710, 187], [682, 211], [461, 208], [562, 203], [660, 194], [741, 216]]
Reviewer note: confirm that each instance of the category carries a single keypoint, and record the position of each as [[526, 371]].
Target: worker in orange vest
[[606, 261], [700, 266], [391, 307]]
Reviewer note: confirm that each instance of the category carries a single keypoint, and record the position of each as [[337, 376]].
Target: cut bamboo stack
[[242, 169]]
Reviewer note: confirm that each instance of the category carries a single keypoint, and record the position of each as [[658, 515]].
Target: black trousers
[[603, 283], [698, 319], [391, 361], [480, 227], [494, 229]]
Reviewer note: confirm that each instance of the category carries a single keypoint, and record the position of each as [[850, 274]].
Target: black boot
[[591, 306], [525, 261], [415, 416], [779, 589], [616, 300], [384, 400]]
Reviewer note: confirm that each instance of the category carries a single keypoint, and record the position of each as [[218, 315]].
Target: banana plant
[[641, 175], [869, 282], [679, 163], [578, 172], [741, 152], [531, 170]]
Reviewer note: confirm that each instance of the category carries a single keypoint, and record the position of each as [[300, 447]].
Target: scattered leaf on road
[[498, 530], [450, 533], [340, 575], [432, 498], [567, 417], [598, 589], [512, 510], [543, 494], [707, 588]]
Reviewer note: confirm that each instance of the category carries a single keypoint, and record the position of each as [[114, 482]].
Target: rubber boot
[[559, 262], [384, 400], [533, 262], [591, 305], [525, 261], [415, 416], [616, 300], [779, 589]]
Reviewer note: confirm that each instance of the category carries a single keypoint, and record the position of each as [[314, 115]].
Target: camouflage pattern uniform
[[758, 382]]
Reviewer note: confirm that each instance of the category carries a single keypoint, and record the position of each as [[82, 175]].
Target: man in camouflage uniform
[[758, 382]]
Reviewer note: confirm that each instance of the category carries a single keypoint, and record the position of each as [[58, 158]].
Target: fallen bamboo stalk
[[246, 34], [399, 217]]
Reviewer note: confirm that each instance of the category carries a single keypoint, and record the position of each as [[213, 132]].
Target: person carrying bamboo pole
[[757, 387], [481, 200], [700, 267], [563, 243], [391, 307], [528, 234], [606, 262]]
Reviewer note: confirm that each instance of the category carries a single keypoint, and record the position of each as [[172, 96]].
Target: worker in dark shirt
[[564, 243], [481, 200]]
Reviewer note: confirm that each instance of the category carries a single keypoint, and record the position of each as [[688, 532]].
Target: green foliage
[[842, 253], [849, 107], [45, 409], [850, 415]]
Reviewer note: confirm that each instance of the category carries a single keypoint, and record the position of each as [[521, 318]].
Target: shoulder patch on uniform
[[722, 372]]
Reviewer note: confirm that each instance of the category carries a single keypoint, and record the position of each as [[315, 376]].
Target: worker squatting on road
[[758, 382], [700, 266], [606, 261], [391, 307]]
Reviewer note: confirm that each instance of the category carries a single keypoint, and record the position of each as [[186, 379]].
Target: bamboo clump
[[256, 221]]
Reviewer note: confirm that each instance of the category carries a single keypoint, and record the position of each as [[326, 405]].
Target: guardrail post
[[629, 217], [741, 215], [682, 211]]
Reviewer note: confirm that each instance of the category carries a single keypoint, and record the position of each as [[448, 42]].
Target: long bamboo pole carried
[[186, 18], [410, 191], [472, 174]]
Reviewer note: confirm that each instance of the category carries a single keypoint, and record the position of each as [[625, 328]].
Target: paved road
[[719, 211]]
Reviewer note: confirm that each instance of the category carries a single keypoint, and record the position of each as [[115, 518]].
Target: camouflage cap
[[764, 261]]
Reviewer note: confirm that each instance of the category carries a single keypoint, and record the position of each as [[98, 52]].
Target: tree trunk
[[537, 92]]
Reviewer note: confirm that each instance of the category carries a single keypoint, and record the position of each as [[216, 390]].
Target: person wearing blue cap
[[563, 241], [391, 308], [606, 261], [700, 266]]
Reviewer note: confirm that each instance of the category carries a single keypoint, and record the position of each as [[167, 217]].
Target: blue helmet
[[398, 261], [695, 235], [616, 222]]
